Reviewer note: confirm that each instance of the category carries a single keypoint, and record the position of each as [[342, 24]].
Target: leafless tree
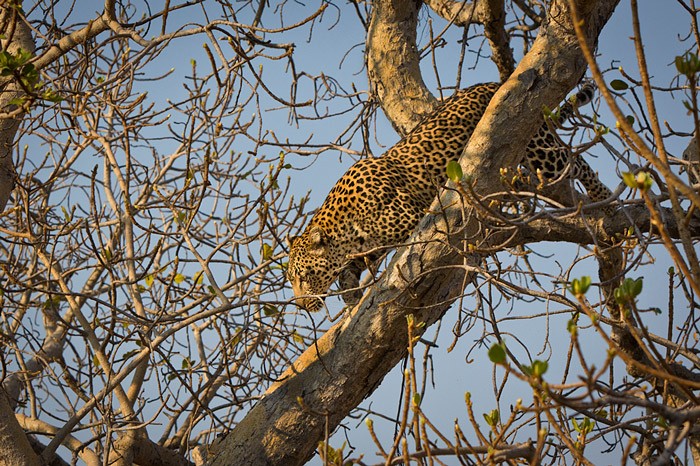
[[150, 158]]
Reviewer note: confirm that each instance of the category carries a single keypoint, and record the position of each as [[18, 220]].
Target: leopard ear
[[318, 239], [291, 240]]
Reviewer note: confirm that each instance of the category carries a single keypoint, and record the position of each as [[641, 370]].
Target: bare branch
[[321, 387]]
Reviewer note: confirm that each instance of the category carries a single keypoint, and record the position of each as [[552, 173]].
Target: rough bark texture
[[393, 63], [349, 361], [146, 452], [15, 449], [495, 32], [19, 37]]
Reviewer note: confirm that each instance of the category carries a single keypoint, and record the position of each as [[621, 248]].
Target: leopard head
[[314, 263]]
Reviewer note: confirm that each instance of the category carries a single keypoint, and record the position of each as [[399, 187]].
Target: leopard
[[379, 201]]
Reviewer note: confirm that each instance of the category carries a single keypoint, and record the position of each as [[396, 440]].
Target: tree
[[148, 207]]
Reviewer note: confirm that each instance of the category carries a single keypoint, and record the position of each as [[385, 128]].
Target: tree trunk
[[18, 36], [15, 449], [347, 363]]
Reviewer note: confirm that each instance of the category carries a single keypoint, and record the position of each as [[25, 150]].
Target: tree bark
[[495, 32], [15, 449], [349, 361], [393, 63], [19, 36]]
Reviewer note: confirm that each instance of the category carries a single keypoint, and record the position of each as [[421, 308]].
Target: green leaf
[[620, 297], [574, 423], [266, 252], [642, 180], [179, 278], [454, 171], [579, 286], [497, 353], [149, 280], [629, 180], [661, 422], [688, 64], [416, 399], [198, 278], [637, 287], [19, 101], [587, 425], [630, 119], [130, 354], [269, 310], [492, 417], [628, 290], [539, 368], [618, 85], [297, 338]]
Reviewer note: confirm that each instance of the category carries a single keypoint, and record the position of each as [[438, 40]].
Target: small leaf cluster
[[492, 418], [642, 180], [332, 456], [579, 286], [688, 65], [620, 86], [537, 369], [497, 355], [18, 65], [585, 427], [628, 291]]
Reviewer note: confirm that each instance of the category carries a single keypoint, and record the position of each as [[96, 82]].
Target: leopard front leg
[[349, 281]]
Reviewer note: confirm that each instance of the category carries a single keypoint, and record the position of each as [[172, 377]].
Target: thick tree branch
[[393, 63], [582, 230], [15, 448], [20, 38], [495, 32], [460, 13], [350, 360], [147, 452]]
